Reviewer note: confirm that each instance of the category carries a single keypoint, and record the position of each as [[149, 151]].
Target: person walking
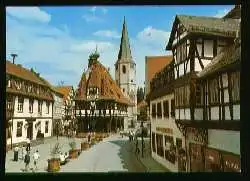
[[28, 145], [89, 137], [137, 150], [27, 161], [16, 149], [36, 156]]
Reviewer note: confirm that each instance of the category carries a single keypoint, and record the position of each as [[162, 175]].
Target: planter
[[84, 145], [54, 165], [73, 154]]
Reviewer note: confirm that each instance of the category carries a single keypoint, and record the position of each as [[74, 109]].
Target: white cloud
[[29, 13], [221, 13], [107, 33], [93, 9], [91, 46], [104, 10], [92, 18]]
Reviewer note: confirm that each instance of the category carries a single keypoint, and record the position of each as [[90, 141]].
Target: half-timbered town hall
[[100, 104]]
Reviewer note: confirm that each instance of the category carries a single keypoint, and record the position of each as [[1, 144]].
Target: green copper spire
[[124, 52]]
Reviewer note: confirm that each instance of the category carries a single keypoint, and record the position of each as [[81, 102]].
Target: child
[[36, 156]]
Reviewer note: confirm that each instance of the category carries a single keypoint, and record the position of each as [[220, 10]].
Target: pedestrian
[[28, 145], [16, 149], [89, 137], [36, 156], [27, 161]]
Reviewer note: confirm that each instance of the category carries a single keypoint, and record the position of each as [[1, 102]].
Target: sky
[[57, 41]]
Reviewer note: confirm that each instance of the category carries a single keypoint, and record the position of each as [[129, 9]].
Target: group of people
[[25, 155]]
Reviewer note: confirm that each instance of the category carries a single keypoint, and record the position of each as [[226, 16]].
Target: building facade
[[29, 103], [125, 76], [100, 105], [167, 142], [203, 102], [58, 112], [68, 121]]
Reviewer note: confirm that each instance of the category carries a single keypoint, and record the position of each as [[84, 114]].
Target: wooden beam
[[230, 95], [199, 58]]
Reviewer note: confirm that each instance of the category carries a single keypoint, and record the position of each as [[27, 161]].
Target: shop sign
[[164, 130]]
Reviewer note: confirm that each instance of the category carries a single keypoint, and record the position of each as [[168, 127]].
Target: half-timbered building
[[100, 105], [29, 103], [167, 142], [196, 42]]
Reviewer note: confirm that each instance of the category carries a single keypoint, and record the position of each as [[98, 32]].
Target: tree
[[140, 94]]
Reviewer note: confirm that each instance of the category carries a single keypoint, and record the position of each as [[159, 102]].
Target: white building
[[207, 104], [58, 112], [125, 76], [166, 139], [29, 105]]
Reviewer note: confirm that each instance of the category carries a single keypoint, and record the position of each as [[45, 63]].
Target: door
[[30, 130]]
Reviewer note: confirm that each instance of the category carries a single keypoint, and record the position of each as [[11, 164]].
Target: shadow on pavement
[[127, 155]]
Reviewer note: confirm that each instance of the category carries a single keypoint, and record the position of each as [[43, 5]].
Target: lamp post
[[142, 141]]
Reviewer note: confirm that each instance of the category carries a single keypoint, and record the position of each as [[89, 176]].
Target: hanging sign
[[164, 130]]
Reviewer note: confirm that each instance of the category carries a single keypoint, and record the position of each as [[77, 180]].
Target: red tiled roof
[[97, 74], [23, 73], [65, 90], [155, 64]]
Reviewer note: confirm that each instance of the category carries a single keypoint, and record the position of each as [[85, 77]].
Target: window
[[153, 110], [9, 102], [46, 126], [172, 108], [132, 80], [124, 69], [9, 130], [214, 91], [20, 104], [159, 111], [166, 109], [170, 151], [31, 103], [178, 143], [235, 84], [159, 144], [153, 142], [123, 90], [40, 104], [47, 106], [181, 52], [19, 129], [198, 95]]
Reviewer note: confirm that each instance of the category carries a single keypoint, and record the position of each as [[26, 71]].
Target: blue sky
[[57, 41]]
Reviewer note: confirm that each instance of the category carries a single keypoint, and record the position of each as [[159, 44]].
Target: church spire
[[124, 52]]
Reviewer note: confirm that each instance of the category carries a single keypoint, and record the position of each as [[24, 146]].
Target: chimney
[[108, 69], [14, 56]]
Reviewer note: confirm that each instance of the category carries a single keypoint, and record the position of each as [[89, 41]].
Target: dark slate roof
[[224, 27], [229, 55], [234, 13], [124, 52]]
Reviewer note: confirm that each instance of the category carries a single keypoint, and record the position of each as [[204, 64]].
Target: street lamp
[[142, 141]]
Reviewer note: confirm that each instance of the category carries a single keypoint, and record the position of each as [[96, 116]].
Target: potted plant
[[73, 152], [84, 145], [54, 161]]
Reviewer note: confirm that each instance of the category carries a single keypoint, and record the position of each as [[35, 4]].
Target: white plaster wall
[[14, 138], [215, 113], [175, 73], [183, 35], [197, 65], [236, 112], [181, 69], [226, 95], [182, 114], [227, 113], [199, 47], [224, 140], [187, 114], [177, 113], [208, 48], [198, 114]]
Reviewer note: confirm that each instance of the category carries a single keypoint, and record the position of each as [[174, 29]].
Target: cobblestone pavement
[[113, 154]]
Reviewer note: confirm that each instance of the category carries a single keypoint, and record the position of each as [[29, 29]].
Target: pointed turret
[[124, 52]]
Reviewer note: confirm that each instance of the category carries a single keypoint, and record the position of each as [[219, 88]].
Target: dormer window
[[18, 85], [29, 88]]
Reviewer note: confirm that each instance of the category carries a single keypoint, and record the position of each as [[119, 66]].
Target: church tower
[[125, 73]]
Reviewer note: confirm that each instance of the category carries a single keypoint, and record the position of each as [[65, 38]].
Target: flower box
[[84, 145], [53, 165]]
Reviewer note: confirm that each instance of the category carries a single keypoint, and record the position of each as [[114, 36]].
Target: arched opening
[[124, 69]]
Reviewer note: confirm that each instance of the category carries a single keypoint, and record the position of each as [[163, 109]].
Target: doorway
[[30, 130]]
